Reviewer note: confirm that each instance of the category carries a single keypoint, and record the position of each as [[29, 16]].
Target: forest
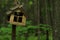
[[42, 20]]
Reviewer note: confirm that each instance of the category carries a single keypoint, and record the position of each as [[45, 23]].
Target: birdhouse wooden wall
[[17, 17]]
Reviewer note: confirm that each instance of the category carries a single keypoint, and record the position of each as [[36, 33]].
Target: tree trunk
[[35, 12], [56, 22]]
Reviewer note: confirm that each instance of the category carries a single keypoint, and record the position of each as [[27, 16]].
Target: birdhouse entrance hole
[[15, 18], [18, 16], [8, 17], [20, 19], [18, 13]]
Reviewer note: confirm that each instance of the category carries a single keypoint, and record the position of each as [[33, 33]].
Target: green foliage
[[45, 27], [20, 30]]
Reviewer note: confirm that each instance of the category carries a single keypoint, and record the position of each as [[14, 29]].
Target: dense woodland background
[[38, 11]]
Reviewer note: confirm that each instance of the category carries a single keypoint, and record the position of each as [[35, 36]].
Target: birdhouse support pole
[[13, 32]]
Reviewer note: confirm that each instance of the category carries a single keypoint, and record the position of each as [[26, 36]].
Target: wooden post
[[47, 35], [13, 32]]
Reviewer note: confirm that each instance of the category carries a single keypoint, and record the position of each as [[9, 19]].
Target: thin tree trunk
[[56, 22], [35, 12], [38, 12]]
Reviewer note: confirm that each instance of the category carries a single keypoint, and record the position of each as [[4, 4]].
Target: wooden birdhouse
[[16, 15]]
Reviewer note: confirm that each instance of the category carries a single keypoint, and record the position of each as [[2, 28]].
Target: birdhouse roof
[[9, 12], [18, 6], [15, 7]]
